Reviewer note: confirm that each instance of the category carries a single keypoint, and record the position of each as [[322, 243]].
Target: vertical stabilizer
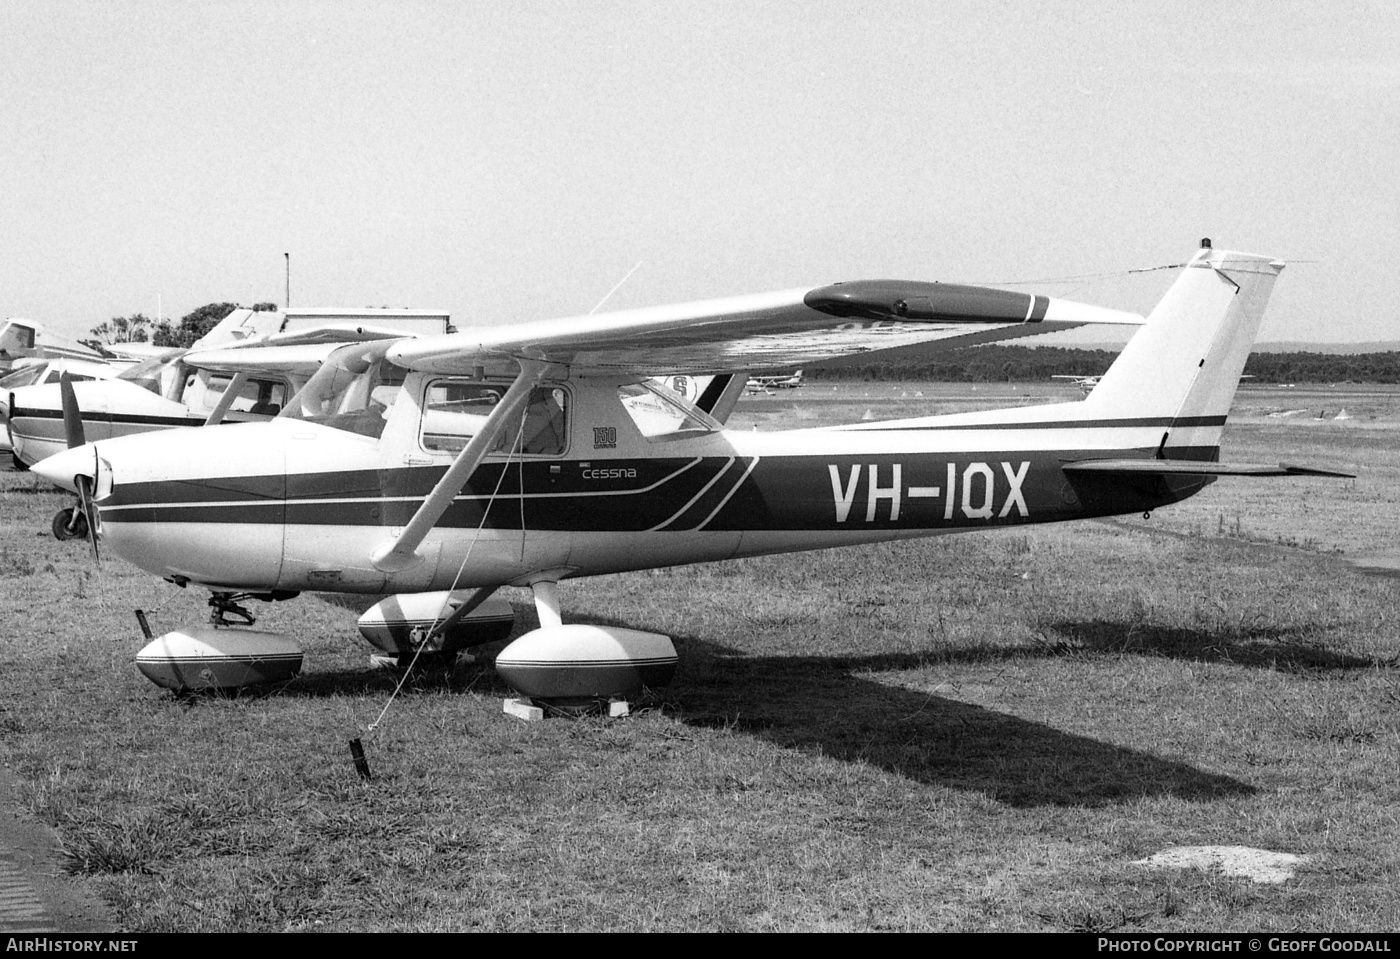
[[1183, 366]]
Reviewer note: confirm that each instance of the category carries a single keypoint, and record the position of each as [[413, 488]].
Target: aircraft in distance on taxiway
[[442, 468], [764, 384]]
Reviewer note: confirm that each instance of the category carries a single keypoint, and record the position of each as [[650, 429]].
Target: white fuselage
[[297, 505]]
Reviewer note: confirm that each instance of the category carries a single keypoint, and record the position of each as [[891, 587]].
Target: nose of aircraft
[[61, 468]]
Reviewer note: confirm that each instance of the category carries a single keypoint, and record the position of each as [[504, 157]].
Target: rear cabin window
[[661, 414], [455, 410]]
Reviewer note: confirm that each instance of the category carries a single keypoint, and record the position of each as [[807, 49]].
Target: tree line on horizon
[[1022, 364], [139, 328]]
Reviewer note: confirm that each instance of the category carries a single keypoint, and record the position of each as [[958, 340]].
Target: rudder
[[1184, 365]]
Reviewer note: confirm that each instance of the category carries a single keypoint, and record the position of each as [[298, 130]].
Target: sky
[[508, 161]]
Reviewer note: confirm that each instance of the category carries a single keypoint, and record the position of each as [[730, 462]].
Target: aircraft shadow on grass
[[826, 705], [1264, 646], [823, 705]]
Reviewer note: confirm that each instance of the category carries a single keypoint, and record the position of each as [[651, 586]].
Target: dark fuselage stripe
[[885, 490], [1153, 421]]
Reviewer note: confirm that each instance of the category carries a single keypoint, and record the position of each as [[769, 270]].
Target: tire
[[69, 524]]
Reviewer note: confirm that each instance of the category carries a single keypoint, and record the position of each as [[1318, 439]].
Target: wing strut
[[400, 554], [231, 393]]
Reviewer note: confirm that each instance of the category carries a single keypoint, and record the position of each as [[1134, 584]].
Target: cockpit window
[[353, 390], [456, 410], [20, 377], [662, 414]]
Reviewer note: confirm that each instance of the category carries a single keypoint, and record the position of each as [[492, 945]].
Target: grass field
[[966, 733]]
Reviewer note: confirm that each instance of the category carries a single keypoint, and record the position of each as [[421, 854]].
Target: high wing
[[761, 331], [304, 358], [300, 351], [732, 335]]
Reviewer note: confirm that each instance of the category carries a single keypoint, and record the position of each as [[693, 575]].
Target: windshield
[[155, 373], [21, 377], [353, 390]]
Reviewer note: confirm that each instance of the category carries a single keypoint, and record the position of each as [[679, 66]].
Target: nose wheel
[[70, 523]]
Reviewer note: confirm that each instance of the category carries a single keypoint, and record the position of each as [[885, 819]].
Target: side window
[[661, 414], [545, 430], [55, 375], [261, 397], [454, 411], [268, 399]]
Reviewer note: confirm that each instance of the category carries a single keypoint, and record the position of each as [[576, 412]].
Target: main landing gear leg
[[224, 605]]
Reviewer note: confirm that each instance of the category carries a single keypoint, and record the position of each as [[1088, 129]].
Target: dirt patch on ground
[[1239, 862]]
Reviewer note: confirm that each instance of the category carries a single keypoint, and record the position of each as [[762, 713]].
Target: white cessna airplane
[[530, 454], [1085, 384], [766, 384]]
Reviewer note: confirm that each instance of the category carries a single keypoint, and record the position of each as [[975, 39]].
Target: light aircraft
[[39, 370], [25, 339], [1086, 384], [245, 368], [765, 384], [442, 468], [172, 389]]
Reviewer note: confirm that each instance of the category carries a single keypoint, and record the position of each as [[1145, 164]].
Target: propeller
[[82, 520], [72, 416]]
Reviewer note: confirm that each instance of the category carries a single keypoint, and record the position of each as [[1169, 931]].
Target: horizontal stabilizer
[[1199, 468]]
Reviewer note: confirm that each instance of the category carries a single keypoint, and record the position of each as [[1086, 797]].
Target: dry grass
[[970, 733]]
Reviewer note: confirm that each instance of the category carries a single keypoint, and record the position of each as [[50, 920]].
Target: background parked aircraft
[[41, 371], [764, 384], [245, 368], [25, 339]]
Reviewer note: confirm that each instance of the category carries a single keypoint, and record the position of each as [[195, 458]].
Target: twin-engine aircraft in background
[[442, 468]]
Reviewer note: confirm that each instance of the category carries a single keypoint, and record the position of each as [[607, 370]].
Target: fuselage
[[621, 481]]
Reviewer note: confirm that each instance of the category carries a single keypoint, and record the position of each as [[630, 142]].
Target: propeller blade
[[89, 511], [72, 416]]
